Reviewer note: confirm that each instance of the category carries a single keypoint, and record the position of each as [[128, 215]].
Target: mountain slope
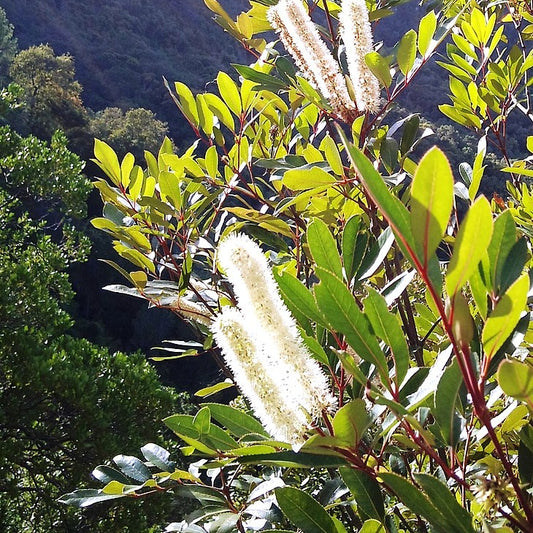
[[123, 48]]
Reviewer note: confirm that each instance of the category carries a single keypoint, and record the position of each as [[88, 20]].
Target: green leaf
[[169, 185], [459, 519], [107, 160], [266, 81], [86, 497], [338, 306], [431, 202], [386, 326], [366, 493], [187, 102], [416, 501], [471, 244], [379, 66], [216, 439], [235, 420], [502, 242], [323, 247], [372, 526], [393, 210], [504, 318], [298, 297], [303, 511], [426, 31], [407, 52], [300, 179], [158, 456], [350, 423], [349, 246], [106, 474], [410, 130], [445, 400], [133, 467], [220, 110], [514, 263], [292, 459], [516, 379], [333, 157], [202, 420], [229, 92], [213, 389]]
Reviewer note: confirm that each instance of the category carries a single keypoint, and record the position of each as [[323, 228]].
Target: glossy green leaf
[[504, 317], [373, 259], [340, 309], [158, 456], [407, 51], [431, 202], [350, 258], [304, 511], [459, 519], [133, 467], [235, 420], [265, 81], [393, 210], [410, 130], [471, 244], [301, 179], [417, 501], [86, 497], [169, 185], [516, 379], [214, 389], [514, 264], [386, 326], [426, 31], [503, 240], [220, 110], [107, 160], [372, 526], [105, 474], [298, 297], [333, 157], [323, 247], [350, 422], [229, 92], [366, 493], [445, 401], [292, 459], [187, 102], [379, 66]]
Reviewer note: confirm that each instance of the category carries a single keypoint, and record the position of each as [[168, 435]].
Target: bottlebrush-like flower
[[301, 39], [356, 34], [257, 379], [272, 325]]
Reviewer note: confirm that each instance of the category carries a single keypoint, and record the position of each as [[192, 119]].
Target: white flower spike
[[272, 327], [302, 40], [356, 34]]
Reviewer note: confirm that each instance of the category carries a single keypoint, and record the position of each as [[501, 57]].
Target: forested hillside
[[123, 48]]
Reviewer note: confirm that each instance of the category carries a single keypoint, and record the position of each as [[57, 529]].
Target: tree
[[8, 47], [52, 94], [64, 403], [132, 131], [370, 306]]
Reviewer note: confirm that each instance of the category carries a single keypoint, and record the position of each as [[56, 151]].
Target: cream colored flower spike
[[301, 39], [272, 327], [356, 34]]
